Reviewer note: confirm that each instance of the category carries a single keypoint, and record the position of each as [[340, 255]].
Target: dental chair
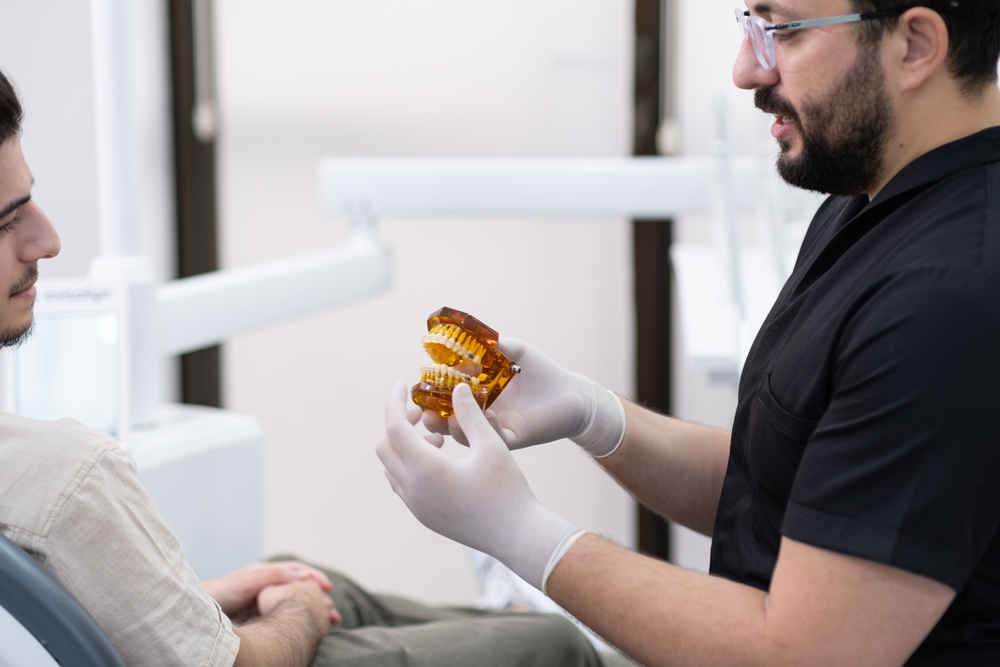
[[41, 624]]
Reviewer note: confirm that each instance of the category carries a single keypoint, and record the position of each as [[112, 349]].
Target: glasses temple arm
[[833, 20]]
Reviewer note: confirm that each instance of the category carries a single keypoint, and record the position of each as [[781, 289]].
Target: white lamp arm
[[196, 312]]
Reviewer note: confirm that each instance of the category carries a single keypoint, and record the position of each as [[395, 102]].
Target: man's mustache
[[30, 276], [768, 101]]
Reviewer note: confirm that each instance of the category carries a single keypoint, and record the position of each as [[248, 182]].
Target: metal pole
[[204, 115], [117, 181]]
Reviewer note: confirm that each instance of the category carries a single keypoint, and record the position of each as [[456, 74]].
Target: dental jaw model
[[464, 351]]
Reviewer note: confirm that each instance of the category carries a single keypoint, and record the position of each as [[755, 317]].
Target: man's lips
[[783, 126], [28, 292], [25, 287]]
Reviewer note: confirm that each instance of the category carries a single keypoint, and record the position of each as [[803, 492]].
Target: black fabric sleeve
[[904, 466]]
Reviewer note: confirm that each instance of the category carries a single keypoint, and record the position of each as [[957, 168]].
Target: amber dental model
[[464, 351]]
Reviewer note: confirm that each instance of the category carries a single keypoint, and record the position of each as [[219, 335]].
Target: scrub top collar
[[856, 216], [943, 162]]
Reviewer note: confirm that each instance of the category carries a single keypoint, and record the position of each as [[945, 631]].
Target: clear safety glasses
[[761, 32]]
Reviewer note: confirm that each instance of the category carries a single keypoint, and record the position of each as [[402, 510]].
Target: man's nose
[[38, 237], [748, 73]]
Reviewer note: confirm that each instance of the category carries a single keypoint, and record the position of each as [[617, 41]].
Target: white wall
[[305, 79], [45, 51]]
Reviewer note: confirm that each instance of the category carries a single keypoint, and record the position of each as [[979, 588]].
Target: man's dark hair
[[973, 32], [10, 110]]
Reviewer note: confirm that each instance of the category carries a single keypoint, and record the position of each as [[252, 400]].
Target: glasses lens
[[762, 44]]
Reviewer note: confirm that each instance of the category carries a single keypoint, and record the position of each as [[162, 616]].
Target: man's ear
[[918, 48]]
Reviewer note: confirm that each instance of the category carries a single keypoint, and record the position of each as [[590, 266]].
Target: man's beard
[[16, 336], [13, 336], [844, 137]]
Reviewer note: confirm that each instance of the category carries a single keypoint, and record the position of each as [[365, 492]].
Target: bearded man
[[855, 506]]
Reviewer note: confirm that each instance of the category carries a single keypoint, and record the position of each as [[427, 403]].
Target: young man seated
[[71, 498]]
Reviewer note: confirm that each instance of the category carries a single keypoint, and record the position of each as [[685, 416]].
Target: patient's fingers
[[320, 578], [301, 570]]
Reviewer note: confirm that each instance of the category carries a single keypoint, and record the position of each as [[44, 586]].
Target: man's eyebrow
[[13, 206], [769, 8]]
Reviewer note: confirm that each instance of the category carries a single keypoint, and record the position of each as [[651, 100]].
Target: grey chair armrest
[[40, 603]]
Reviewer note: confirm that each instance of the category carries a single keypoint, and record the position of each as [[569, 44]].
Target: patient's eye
[[464, 351], [10, 225]]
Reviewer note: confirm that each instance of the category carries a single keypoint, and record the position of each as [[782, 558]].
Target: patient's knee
[[560, 636]]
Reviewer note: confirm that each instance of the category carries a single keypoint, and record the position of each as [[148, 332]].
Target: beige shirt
[[72, 499]]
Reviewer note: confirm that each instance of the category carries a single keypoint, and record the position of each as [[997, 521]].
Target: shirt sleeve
[[112, 551], [903, 466]]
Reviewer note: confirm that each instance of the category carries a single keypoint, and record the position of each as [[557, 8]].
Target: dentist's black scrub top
[[868, 407]]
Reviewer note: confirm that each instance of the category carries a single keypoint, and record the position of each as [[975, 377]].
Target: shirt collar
[[944, 161]]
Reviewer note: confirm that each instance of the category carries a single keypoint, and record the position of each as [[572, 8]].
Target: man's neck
[[934, 117]]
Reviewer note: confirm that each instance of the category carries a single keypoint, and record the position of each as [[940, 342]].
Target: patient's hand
[[306, 596], [293, 618], [237, 592]]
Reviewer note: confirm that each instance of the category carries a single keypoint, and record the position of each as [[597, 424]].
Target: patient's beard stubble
[[15, 335]]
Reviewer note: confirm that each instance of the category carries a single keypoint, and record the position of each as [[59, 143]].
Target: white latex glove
[[544, 403], [481, 499]]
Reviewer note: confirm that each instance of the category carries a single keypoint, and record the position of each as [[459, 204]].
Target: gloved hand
[[544, 403], [482, 499]]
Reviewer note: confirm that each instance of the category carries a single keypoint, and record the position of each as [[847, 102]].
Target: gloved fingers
[[435, 439], [513, 348], [413, 412], [471, 419], [508, 436], [415, 415], [402, 435], [454, 430], [389, 457], [435, 423], [393, 483]]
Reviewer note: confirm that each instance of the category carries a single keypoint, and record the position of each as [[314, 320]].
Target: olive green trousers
[[389, 631]]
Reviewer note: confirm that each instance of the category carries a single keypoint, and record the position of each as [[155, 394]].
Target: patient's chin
[[12, 337]]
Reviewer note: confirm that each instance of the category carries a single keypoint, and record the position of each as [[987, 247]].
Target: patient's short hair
[[10, 110]]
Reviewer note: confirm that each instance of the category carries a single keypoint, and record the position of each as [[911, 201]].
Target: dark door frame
[[654, 105], [195, 187]]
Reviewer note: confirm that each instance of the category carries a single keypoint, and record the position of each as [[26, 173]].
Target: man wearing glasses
[[854, 508]]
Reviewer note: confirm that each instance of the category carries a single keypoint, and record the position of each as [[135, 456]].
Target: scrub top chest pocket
[[776, 440]]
